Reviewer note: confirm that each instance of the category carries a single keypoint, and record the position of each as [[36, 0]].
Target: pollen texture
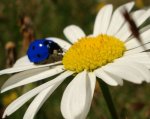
[[90, 53]]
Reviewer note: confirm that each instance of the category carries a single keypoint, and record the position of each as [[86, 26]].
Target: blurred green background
[[22, 21]]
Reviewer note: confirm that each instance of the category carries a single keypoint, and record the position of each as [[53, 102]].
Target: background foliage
[[49, 18]]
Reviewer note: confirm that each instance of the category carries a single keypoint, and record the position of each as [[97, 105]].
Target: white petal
[[23, 67], [142, 54], [19, 81], [142, 58], [139, 67], [138, 49], [145, 28], [16, 104], [137, 14], [92, 81], [39, 101], [62, 43], [124, 33], [117, 18], [23, 61], [116, 78], [133, 43], [22, 75], [77, 97], [102, 20], [142, 30], [100, 73], [143, 18], [147, 65], [73, 33], [92, 78], [125, 72]]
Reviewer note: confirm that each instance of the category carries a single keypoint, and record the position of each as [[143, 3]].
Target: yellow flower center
[[92, 52]]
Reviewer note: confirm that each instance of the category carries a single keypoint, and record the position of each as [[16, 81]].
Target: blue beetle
[[41, 49]]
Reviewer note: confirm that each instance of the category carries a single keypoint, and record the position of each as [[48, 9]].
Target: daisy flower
[[110, 53]]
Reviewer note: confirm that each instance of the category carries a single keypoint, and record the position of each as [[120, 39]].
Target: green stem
[[108, 99]]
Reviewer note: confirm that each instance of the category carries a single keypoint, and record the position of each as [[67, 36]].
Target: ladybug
[[40, 50]]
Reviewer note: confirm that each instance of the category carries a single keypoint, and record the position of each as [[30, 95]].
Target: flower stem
[[108, 99]]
